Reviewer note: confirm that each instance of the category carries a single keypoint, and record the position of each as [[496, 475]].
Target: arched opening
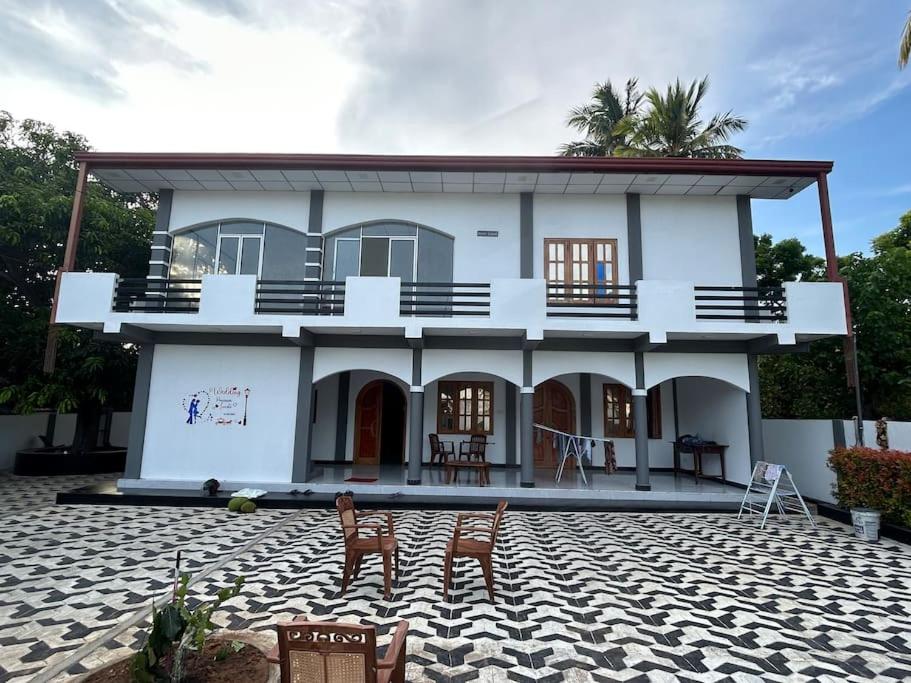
[[379, 424], [554, 407]]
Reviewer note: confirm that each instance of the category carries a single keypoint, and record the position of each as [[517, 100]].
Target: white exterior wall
[[291, 209], [803, 447], [261, 451], [577, 216], [692, 239], [475, 259], [716, 411]]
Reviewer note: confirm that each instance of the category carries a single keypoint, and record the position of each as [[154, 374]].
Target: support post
[[136, 439], [526, 235], [850, 345], [69, 263], [341, 415], [640, 425], [754, 412], [416, 420], [634, 237], [510, 423], [526, 420], [585, 403], [300, 467]]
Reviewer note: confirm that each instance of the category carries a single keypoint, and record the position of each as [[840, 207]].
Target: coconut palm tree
[[599, 119], [904, 45], [671, 126]]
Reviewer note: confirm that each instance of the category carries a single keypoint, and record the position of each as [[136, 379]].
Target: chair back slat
[[497, 518], [327, 652], [345, 507]]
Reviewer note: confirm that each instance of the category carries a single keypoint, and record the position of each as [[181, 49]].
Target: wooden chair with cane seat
[[329, 652], [440, 450], [357, 545], [470, 524], [475, 448]]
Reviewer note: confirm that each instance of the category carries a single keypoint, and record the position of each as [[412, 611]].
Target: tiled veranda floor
[[583, 596]]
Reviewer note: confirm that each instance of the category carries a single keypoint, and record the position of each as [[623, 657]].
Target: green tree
[[785, 261], [812, 384], [599, 118], [671, 126], [37, 180]]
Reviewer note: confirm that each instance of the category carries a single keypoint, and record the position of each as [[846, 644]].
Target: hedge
[[872, 478]]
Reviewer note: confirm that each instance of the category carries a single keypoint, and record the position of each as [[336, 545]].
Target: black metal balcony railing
[[444, 299], [743, 304], [584, 300], [144, 295], [300, 297]]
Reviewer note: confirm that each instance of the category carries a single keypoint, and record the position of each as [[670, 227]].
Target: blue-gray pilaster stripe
[[747, 247], [585, 403], [136, 439], [511, 423], [526, 420], [416, 419], [162, 223], [341, 415], [526, 235], [315, 225], [838, 434], [300, 467], [634, 236], [640, 424], [754, 412]]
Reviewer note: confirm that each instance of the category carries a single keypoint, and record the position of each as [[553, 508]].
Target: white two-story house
[[308, 312]]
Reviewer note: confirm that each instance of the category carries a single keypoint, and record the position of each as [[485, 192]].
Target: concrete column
[[314, 265], [300, 467], [136, 441], [585, 403], [634, 236], [341, 416], [754, 412], [747, 246], [526, 421], [640, 425], [415, 420], [510, 423]]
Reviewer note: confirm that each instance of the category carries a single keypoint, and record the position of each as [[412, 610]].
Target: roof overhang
[[760, 179]]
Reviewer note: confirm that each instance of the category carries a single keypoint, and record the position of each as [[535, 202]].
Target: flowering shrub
[[872, 478]]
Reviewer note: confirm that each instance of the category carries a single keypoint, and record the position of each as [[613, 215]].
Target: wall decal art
[[218, 405]]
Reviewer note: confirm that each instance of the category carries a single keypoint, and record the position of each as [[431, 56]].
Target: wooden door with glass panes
[[580, 271]]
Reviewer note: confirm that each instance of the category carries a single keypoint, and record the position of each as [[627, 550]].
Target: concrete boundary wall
[[23, 431]]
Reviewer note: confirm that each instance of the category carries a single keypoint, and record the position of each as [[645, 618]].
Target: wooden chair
[[475, 448], [482, 549], [356, 545], [329, 652], [440, 450]]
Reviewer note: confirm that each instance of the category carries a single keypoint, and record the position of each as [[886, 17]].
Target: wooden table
[[698, 450], [453, 465]]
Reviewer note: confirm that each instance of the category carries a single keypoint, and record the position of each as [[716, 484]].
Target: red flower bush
[[872, 478]]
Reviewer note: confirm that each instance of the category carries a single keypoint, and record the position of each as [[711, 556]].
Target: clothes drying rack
[[571, 446]]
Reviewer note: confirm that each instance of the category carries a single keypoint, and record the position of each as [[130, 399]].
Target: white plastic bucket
[[866, 524]]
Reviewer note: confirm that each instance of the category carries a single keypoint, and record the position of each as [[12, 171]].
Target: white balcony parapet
[[661, 308]]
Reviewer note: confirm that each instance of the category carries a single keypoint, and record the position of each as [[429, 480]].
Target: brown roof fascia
[[361, 162]]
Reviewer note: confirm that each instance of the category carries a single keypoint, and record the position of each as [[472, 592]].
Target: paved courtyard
[[583, 596]]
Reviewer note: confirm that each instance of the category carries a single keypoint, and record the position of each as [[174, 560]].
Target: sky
[[815, 79]]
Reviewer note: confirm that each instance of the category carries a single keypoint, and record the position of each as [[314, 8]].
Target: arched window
[[413, 252], [239, 247]]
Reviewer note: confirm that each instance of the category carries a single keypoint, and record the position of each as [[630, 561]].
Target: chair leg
[[357, 568], [447, 575], [346, 572], [387, 574], [487, 569], [396, 562]]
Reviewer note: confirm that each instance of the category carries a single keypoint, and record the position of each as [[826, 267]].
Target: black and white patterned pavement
[[582, 597]]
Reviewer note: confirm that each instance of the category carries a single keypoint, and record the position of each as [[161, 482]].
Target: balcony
[[660, 310]]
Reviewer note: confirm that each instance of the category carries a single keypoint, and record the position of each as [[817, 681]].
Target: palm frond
[[904, 45]]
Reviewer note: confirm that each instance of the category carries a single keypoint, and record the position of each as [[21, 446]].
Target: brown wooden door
[[554, 407], [368, 420]]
